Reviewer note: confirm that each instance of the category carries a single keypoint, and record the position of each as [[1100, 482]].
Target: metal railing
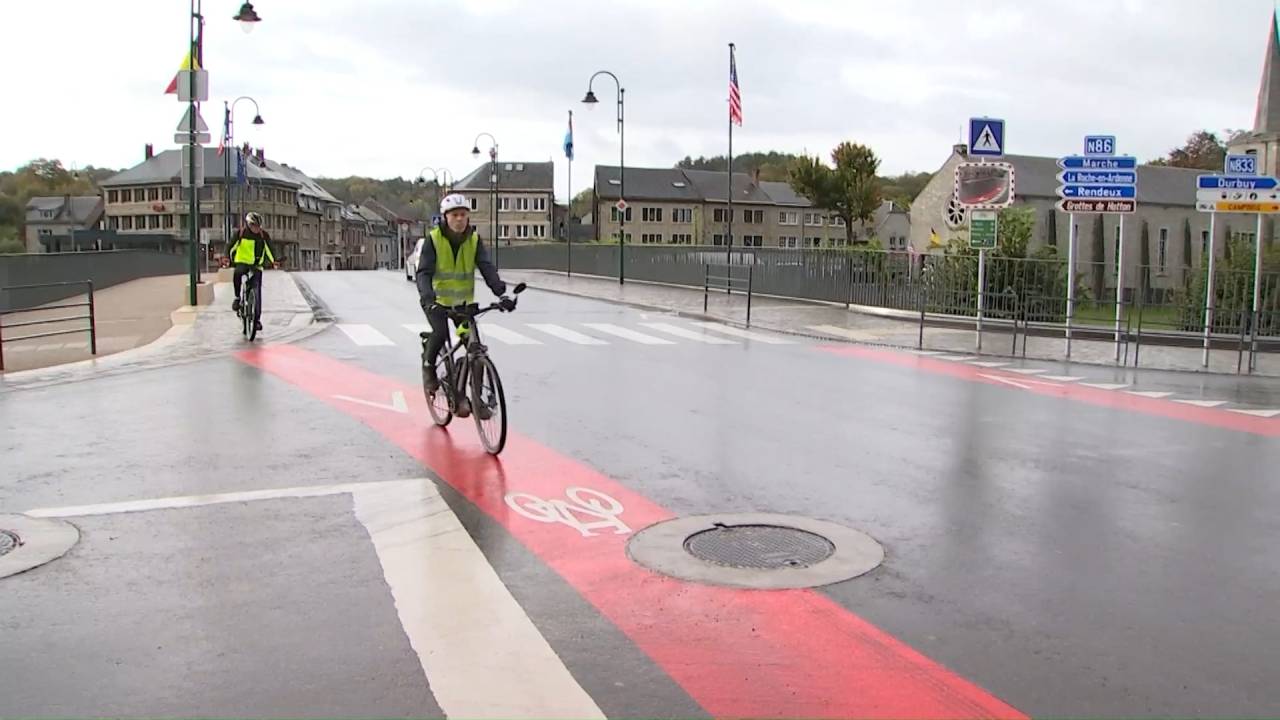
[[731, 279], [89, 316]]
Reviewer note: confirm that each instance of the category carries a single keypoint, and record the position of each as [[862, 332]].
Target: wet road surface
[[1056, 549]]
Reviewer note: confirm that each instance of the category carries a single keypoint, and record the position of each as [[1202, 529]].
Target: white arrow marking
[[398, 403], [1107, 386], [1154, 394], [1006, 381], [1028, 371], [1202, 403]]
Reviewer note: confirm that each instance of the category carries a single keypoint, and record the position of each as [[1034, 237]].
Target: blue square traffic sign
[[1242, 165], [986, 137]]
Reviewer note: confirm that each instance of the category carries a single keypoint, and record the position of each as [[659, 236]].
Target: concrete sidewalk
[[188, 333], [875, 326]]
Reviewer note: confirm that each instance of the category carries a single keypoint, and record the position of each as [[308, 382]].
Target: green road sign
[[982, 229]]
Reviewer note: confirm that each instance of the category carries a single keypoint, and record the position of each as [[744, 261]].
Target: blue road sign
[[1242, 165], [986, 137], [435, 219], [1081, 162], [1099, 192], [1098, 177], [1223, 182], [1099, 144]]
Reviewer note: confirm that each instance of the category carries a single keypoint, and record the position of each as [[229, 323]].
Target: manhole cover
[[765, 547], [762, 551], [8, 542]]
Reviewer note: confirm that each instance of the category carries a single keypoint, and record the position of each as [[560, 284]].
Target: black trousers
[[438, 317], [237, 278]]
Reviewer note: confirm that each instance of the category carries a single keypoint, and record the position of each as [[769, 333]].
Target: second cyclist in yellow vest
[[447, 272]]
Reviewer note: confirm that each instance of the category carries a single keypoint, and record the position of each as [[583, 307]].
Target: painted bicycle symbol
[[585, 510]]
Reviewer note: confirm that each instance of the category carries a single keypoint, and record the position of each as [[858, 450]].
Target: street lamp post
[[590, 101], [493, 186], [228, 130], [196, 24], [437, 180]]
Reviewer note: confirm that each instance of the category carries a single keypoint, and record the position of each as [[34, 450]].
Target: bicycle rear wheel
[[489, 406], [437, 402], [250, 317]]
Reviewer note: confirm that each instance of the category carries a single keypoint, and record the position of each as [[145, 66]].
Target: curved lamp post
[[493, 186], [590, 101]]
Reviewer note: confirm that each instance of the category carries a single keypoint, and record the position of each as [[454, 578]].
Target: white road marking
[[1202, 403], [1006, 381], [482, 655], [1062, 378], [365, 335], [927, 352], [1255, 413], [505, 335], [627, 334], [747, 334], [564, 333], [687, 334], [422, 547], [600, 510], [988, 364], [398, 403], [1027, 371], [1106, 386], [958, 358], [1154, 394]]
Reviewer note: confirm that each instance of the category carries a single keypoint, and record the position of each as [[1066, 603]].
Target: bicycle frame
[[458, 366]]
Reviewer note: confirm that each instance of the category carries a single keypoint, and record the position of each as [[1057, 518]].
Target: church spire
[[1267, 118]]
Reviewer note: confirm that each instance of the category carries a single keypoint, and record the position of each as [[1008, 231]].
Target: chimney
[[149, 152], [960, 149]]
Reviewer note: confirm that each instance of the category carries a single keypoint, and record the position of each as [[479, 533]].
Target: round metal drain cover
[[760, 551], [765, 547], [8, 542]]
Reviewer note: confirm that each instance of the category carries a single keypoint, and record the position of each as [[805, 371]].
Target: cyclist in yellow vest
[[250, 250], [447, 272]]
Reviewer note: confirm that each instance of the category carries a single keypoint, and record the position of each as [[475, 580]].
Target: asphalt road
[[1065, 550]]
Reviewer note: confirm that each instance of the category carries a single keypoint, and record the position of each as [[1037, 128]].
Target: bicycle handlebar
[[472, 310]]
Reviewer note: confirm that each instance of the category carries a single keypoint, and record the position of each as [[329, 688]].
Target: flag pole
[[729, 185], [568, 236]]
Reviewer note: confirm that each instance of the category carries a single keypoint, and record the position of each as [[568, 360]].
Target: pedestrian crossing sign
[[986, 137]]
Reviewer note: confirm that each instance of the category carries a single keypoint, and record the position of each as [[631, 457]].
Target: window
[[167, 221], [126, 196], [788, 217], [126, 222], [153, 222], [475, 204], [113, 196], [540, 231], [813, 219], [522, 204], [153, 194], [46, 213], [837, 221], [812, 242], [682, 238], [717, 239], [682, 215], [504, 204], [651, 214], [651, 238], [539, 204], [45, 231], [754, 217], [206, 220], [720, 215], [504, 231], [522, 232], [788, 241], [613, 215], [753, 240], [113, 223], [615, 235], [1162, 250]]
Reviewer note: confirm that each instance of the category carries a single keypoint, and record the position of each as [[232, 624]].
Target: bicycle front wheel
[[489, 406], [250, 327]]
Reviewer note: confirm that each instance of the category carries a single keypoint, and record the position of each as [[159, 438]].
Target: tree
[[851, 189], [11, 246], [773, 166], [1203, 150], [903, 189], [580, 205]]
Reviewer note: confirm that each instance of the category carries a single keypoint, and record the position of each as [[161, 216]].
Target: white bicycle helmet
[[453, 201], [253, 218]]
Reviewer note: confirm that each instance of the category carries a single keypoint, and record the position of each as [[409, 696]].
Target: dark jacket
[[427, 268]]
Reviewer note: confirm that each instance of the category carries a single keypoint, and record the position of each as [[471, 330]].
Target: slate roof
[[512, 175]]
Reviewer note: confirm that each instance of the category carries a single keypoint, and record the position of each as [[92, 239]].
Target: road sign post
[[982, 235], [982, 188]]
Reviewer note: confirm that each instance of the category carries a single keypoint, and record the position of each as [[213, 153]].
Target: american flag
[[735, 98]]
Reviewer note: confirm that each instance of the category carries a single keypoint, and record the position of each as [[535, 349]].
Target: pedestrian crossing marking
[[505, 335], [564, 333], [628, 334], [688, 334], [365, 335], [746, 334]]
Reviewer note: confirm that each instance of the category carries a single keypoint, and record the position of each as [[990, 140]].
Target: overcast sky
[[385, 87]]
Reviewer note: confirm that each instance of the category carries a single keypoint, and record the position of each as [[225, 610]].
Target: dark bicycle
[[464, 365], [250, 298]]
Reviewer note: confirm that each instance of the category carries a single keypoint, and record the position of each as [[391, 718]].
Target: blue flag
[[240, 169], [568, 139]]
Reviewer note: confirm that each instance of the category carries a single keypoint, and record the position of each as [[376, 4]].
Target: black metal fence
[[1032, 296], [38, 317]]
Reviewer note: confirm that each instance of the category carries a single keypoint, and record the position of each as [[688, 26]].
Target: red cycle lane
[[737, 653], [1115, 399]]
